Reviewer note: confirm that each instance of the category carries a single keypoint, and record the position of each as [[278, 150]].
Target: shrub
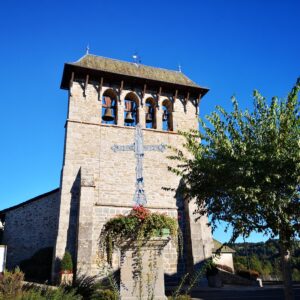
[[84, 285], [89, 288], [105, 295], [32, 292], [66, 263], [225, 268], [248, 274], [296, 274], [180, 297], [62, 294], [211, 270], [38, 267], [31, 295], [11, 284]]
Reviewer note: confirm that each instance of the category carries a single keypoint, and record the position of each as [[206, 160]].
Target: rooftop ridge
[[29, 201], [129, 62]]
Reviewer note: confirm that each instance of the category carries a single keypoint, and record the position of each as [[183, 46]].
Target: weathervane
[[87, 49], [138, 147], [136, 58], [179, 68]]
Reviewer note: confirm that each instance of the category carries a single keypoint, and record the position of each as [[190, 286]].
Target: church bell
[[148, 118], [108, 115], [165, 116], [128, 117], [148, 115]]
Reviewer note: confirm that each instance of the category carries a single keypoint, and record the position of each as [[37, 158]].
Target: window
[[167, 117], [131, 110], [150, 114], [109, 107]]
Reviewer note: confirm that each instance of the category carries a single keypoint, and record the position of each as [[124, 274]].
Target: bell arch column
[[121, 108], [159, 115], [142, 116]]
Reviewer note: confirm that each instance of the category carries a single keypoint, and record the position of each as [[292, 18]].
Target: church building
[[107, 98]]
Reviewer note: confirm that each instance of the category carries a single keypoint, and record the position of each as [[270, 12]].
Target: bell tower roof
[[108, 68]]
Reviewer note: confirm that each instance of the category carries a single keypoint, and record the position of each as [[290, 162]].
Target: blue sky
[[230, 46]]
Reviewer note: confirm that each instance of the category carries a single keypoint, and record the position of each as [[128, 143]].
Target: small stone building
[[224, 256], [106, 99]]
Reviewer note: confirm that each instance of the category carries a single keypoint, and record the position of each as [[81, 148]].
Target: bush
[[105, 295], [91, 289], [11, 284], [66, 263], [84, 285], [225, 268], [180, 297], [211, 270], [248, 274], [38, 267], [31, 295], [60, 293]]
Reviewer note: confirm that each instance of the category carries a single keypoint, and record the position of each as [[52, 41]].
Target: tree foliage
[[246, 169], [66, 262], [264, 257]]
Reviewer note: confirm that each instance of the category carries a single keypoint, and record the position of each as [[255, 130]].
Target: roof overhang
[[95, 75]]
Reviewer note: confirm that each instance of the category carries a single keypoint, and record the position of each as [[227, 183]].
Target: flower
[[140, 212], [140, 225]]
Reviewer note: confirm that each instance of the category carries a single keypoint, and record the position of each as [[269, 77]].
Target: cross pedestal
[[142, 272], [149, 284]]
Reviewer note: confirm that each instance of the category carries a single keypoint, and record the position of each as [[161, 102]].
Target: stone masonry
[[101, 183], [30, 227], [97, 183]]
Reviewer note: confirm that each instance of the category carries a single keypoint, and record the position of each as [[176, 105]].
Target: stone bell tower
[[107, 99]]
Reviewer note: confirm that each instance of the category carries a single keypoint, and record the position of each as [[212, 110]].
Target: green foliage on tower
[[66, 262]]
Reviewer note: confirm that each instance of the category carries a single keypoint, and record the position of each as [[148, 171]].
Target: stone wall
[[88, 147], [30, 226], [233, 279]]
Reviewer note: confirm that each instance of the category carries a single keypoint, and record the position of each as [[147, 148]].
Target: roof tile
[[133, 69]]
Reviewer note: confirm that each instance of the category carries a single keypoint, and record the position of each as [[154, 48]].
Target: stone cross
[[138, 147]]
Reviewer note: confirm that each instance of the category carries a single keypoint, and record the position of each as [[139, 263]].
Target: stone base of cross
[[138, 148]]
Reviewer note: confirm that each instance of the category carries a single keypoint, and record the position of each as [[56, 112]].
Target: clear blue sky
[[230, 46]]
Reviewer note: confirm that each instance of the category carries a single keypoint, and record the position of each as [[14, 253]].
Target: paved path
[[243, 293]]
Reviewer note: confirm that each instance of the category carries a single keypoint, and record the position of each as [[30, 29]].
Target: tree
[[66, 262], [246, 170]]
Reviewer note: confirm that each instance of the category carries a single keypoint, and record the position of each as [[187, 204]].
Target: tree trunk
[[286, 271]]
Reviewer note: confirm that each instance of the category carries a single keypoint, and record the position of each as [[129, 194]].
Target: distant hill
[[264, 258]]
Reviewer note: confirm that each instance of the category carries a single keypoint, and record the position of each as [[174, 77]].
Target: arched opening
[[167, 117], [150, 115], [131, 111], [109, 107]]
